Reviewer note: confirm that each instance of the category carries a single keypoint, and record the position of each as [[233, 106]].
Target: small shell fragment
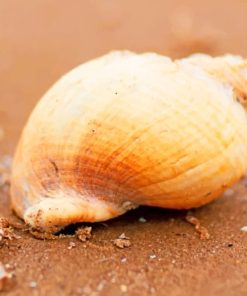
[[244, 228], [71, 245], [142, 220], [122, 241], [33, 284], [203, 232], [152, 257], [84, 233], [123, 236]]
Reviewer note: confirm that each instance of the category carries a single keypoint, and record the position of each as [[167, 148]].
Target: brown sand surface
[[42, 39]]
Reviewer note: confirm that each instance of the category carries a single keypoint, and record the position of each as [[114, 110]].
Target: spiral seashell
[[129, 129]]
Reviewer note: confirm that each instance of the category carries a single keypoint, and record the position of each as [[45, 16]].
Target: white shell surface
[[125, 130]]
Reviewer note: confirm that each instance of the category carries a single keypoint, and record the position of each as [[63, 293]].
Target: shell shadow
[[134, 217]]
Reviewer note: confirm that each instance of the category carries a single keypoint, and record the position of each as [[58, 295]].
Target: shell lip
[[53, 214]]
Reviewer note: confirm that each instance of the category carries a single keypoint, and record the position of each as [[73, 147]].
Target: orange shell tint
[[130, 129]]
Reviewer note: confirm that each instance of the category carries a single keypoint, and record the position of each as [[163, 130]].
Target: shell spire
[[129, 129], [232, 70]]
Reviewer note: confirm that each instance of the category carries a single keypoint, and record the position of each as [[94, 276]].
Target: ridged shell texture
[[132, 129]]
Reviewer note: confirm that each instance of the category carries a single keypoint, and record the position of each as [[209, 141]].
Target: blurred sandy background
[[42, 39]]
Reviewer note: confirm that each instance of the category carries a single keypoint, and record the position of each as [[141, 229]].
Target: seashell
[[129, 129]]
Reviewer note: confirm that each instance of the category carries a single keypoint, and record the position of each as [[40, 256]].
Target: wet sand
[[40, 41]]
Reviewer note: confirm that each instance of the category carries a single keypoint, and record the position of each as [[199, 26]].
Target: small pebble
[[124, 259], [101, 285], [84, 233], [152, 256], [152, 290], [71, 245], [244, 228], [204, 234], [124, 288], [8, 266], [142, 220], [122, 243], [33, 285], [123, 236]]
